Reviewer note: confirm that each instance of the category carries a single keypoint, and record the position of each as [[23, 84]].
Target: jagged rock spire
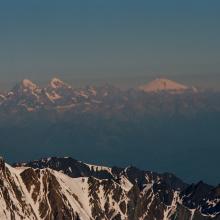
[[2, 163]]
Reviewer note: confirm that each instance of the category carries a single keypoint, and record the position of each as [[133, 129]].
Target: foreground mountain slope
[[28, 193]]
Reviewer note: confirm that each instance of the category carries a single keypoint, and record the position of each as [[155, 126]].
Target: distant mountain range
[[64, 188], [150, 98], [171, 126]]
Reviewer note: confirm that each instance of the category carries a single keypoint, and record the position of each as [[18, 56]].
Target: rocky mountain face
[[64, 188]]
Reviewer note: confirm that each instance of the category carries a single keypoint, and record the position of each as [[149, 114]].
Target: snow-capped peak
[[57, 83], [162, 84], [28, 84]]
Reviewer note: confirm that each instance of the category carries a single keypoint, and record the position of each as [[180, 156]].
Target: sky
[[124, 42]]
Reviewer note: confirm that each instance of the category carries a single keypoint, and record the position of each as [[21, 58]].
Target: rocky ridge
[[64, 188]]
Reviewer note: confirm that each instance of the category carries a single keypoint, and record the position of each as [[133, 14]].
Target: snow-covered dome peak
[[162, 84]]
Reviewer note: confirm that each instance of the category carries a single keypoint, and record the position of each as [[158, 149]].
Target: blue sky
[[119, 41]]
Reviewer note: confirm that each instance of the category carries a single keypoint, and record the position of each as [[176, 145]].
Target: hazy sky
[[119, 41]]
